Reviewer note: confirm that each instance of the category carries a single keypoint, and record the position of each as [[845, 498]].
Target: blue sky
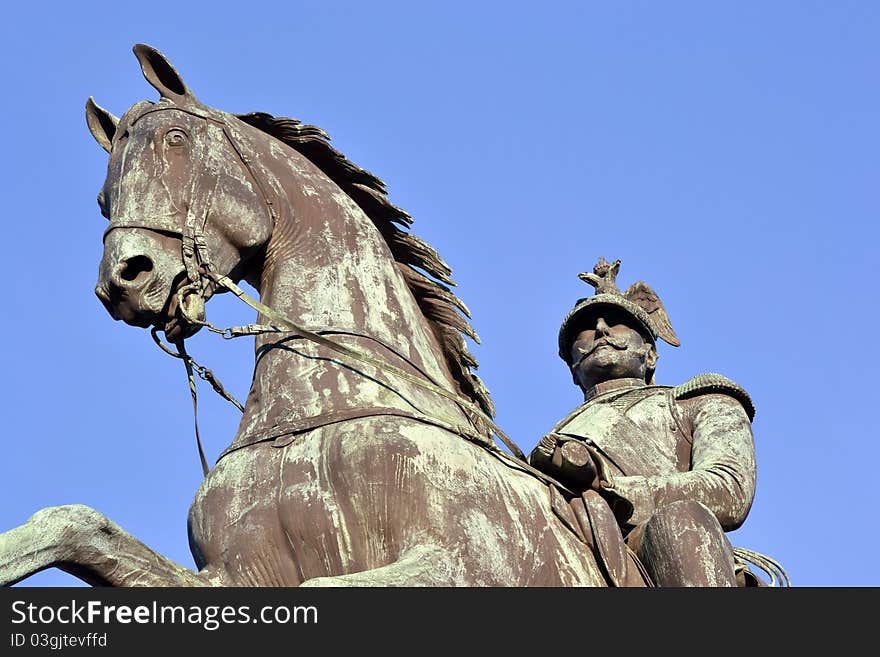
[[725, 152]]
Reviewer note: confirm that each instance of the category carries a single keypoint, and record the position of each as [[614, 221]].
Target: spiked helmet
[[639, 302]]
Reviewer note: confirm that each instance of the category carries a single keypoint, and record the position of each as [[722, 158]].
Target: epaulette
[[711, 382]]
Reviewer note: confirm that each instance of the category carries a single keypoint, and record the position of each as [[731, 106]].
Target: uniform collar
[[609, 386]]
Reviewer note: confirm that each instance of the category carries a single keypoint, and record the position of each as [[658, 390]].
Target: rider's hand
[[567, 459]]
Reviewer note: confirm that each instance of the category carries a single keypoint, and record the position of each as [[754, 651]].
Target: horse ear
[[161, 74], [102, 124]]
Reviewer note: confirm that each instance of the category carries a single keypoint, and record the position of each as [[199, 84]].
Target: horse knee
[[70, 522]]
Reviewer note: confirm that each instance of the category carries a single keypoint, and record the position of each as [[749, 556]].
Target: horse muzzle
[[139, 276], [124, 287]]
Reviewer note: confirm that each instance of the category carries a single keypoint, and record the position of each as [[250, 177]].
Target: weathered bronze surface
[[365, 454]]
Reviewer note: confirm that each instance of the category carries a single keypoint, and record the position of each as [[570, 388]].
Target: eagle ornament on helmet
[[640, 302]]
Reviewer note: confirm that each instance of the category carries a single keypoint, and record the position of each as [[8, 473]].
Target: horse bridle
[[196, 259]]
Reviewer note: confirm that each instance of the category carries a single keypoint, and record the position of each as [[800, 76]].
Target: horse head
[[180, 200]]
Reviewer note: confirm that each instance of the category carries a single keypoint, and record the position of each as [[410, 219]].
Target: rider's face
[[609, 347]]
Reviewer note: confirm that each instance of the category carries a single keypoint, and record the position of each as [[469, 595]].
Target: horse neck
[[328, 269]]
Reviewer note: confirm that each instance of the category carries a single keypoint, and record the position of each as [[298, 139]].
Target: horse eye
[[175, 137]]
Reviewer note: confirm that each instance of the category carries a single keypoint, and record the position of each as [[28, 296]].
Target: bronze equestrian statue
[[365, 455]]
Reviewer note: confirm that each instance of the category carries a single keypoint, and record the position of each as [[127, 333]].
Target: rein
[[206, 375], [283, 324]]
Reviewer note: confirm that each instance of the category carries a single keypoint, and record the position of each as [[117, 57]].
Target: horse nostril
[[133, 269]]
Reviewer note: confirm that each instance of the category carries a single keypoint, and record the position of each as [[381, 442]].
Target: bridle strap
[[195, 400], [192, 367], [204, 181], [193, 245]]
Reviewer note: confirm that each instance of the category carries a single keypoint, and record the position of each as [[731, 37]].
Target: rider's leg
[[683, 545]]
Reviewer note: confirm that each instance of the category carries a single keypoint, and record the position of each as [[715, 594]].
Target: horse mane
[[438, 303]]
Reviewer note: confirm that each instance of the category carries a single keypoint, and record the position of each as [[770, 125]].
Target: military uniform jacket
[[661, 444]]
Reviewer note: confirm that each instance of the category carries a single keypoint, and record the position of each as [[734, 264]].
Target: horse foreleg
[[424, 565], [85, 543]]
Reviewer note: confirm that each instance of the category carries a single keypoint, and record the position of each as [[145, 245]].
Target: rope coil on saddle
[[778, 576]]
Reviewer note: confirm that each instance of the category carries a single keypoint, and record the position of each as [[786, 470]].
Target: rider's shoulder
[[713, 383]]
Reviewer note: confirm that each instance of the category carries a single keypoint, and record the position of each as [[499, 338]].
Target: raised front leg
[[85, 543]]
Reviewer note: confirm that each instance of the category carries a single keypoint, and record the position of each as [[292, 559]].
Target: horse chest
[[262, 519], [233, 522]]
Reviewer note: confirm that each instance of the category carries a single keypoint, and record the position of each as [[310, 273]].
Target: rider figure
[[676, 465]]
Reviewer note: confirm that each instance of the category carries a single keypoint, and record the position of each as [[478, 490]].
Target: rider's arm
[[722, 474]]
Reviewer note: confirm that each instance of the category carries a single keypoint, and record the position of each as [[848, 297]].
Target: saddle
[[592, 520]]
